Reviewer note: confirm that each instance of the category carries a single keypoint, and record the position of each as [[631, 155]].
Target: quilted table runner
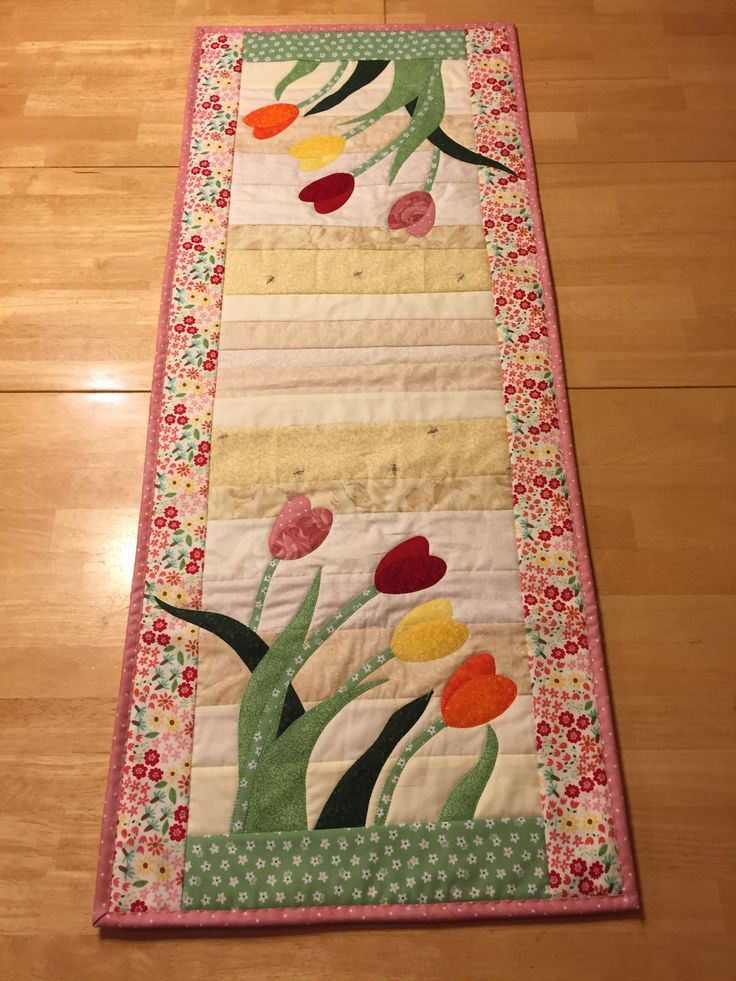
[[363, 676]]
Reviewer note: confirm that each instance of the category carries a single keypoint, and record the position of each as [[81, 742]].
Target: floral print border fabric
[[152, 868]]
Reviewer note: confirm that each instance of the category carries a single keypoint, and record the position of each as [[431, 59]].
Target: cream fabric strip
[[261, 78], [457, 127], [282, 168], [216, 735], [337, 358], [416, 334], [234, 381], [513, 790], [355, 407], [467, 541], [346, 237], [336, 306]]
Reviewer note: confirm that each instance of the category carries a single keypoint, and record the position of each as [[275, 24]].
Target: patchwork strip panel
[[363, 674]]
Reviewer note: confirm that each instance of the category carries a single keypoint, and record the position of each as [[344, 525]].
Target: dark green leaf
[[363, 73], [279, 798], [347, 805], [246, 643], [447, 145]]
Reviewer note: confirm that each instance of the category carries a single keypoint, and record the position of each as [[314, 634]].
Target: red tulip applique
[[408, 568], [328, 193]]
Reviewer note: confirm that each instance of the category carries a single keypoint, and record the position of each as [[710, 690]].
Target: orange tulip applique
[[473, 695], [268, 121]]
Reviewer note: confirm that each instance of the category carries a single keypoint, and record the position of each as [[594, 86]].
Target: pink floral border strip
[[145, 819], [159, 670], [583, 847]]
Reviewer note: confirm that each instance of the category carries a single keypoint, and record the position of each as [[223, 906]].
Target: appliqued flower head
[[268, 121], [328, 193], [298, 529], [428, 633], [316, 152], [409, 567], [474, 694], [414, 212]]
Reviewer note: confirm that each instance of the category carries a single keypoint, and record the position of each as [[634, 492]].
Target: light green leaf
[[300, 69], [279, 798], [462, 801], [264, 681], [430, 109], [411, 78]]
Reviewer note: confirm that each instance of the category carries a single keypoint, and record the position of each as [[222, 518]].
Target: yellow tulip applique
[[316, 152], [428, 633]]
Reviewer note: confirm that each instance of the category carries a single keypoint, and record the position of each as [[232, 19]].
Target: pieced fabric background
[[364, 672]]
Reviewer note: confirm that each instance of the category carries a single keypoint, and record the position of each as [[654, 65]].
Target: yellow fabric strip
[[350, 237], [235, 380], [418, 494], [266, 272], [288, 335], [327, 408], [463, 447]]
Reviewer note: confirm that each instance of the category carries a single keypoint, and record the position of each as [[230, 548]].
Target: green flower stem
[[330, 626], [434, 164], [416, 120], [326, 87], [384, 801], [371, 665], [255, 617], [349, 134]]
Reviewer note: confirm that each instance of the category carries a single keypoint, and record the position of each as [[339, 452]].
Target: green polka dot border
[[353, 45], [448, 861]]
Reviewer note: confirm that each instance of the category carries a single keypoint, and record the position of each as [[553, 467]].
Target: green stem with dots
[[337, 619], [339, 71], [371, 665], [255, 617], [423, 122], [389, 787], [433, 167]]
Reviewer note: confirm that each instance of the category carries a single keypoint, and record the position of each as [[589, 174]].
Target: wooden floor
[[632, 116]]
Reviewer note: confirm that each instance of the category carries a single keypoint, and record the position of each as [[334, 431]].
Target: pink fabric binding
[[628, 899]]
